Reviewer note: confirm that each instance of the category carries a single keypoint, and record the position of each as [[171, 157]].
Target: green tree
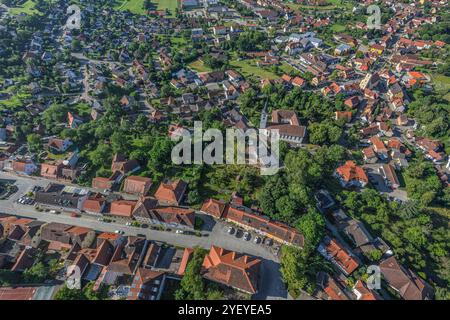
[[34, 142]]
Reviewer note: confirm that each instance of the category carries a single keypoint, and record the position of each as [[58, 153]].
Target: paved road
[[271, 285]]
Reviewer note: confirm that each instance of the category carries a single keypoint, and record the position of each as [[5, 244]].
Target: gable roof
[[171, 192], [214, 207], [231, 268], [122, 208], [405, 281]]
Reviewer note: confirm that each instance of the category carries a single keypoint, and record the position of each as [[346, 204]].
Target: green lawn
[[338, 27], [137, 6], [332, 4], [134, 6], [249, 68], [199, 66], [27, 8]]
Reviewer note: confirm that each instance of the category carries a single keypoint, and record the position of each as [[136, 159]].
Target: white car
[[119, 232], [128, 224], [179, 232]]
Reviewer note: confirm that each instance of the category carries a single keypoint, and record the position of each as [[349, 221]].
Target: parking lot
[[378, 183], [249, 236]]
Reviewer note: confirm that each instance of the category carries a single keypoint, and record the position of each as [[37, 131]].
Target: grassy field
[[332, 4], [338, 28], [27, 8], [249, 68], [442, 85], [137, 6], [199, 66]]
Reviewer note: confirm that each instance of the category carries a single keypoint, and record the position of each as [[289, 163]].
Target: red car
[[74, 215]]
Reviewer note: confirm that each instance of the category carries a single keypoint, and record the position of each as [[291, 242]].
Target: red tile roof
[[350, 171], [341, 256], [17, 293], [187, 255], [277, 230], [365, 293], [122, 208], [171, 192], [137, 184], [214, 207], [232, 269]]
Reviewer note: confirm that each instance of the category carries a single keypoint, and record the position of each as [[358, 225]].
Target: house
[[187, 256], [395, 92], [333, 289], [232, 269], [169, 216], [59, 145], [390, 177], [402, 120], [288, 125], [61, 196], [138, 185], [352, 102], [379, 147], [333, 251], [350, 174], [102, 183], [408, 285], [213, 207], [51, 170], [370, 81], [357, 233], [249, 220], [25, 166], [147, 285], [219, 30], [125, 259], [342, 49], [171, 192], [95, 204], [148, 211], [362, 292], [20, 230], [369, 155], [376, 48], [74, 120], [123, 165], [122, 208], [63, 236], [298, 82], [343, 115]]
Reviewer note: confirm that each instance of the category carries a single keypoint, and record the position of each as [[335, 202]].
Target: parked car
[[179, 232], [141, 235], [257, 240], [231, 230], [269, 242], [119, 232], [246, 236], [74, 215]]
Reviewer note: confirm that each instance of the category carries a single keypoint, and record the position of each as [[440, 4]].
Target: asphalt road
[[271, 286]]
